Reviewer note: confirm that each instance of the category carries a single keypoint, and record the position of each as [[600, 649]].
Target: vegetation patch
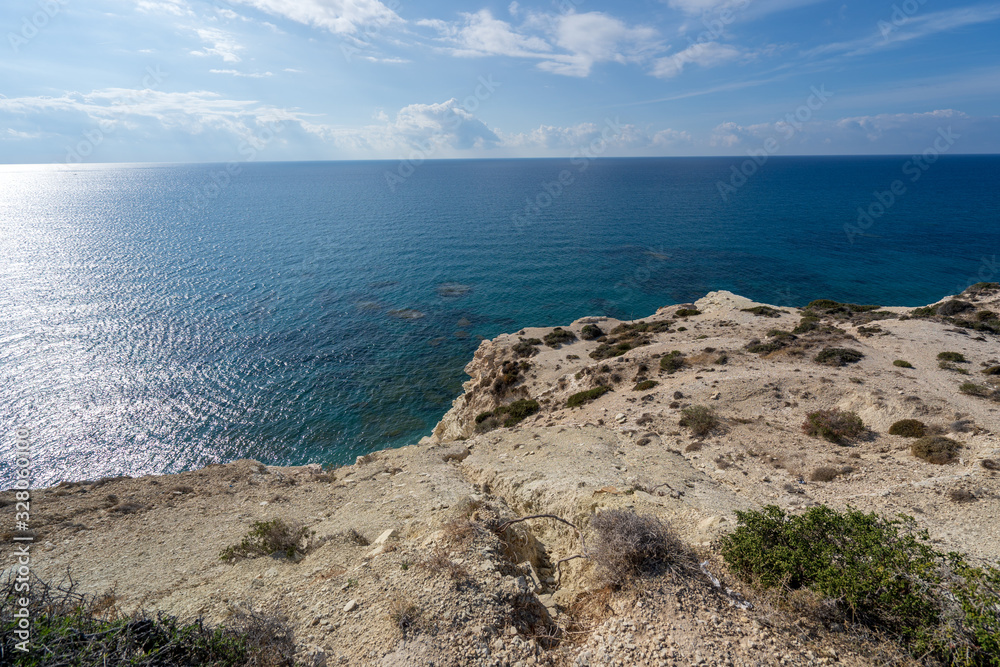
[[507, 415], [763, 311], [936, 449], [954, 357], [876, 572], [671, 363], [582, 397], [644, 385], [980, 390], [834, 425], [525, 347], [700, 419], [591, 332], [924, 312], [824, 474], [838, 356], [909, 428], [982, 288], [687, 312], [558, 337], [954, 307], [992, 370], [628, 336], [902, 363], [68, 628], [629, 546], [268, 538]]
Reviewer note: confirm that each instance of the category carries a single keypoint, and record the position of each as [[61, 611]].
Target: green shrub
[[879, 572], [764, 348], [671, 363], [700, 419], [992, 370], [687, 312], [902, 364], [558, 336], [525, 348], [954, 307], [582, 397], [925, 311], [628, 546], [507, 415], [806, 324], [948, 366], [590, 332], [763, 311], [973, 389], [955, 357], [936, 449], [909, 428], [68, 628], [834, 425], [267, 538], [981, 288], [838, 356], [644, 385]]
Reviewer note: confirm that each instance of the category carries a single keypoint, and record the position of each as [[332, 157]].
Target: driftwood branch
[[579, 533]]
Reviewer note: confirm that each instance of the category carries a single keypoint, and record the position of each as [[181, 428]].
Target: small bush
[[404, 614], [763, 311], [700, 419], [935, 449], [961, 496], [806, 324], [267, 538], [824, 474], [558, 336], [909, 428], [953, 307], [591, 332], [628, 546], [644, 385], [992, 370], [671, 363], [902, 364], [955, 357], [973, 389], [834, 425], [582, 397], [838, 356], [507, 415], [687, 312], [525, 348], [925, 311]]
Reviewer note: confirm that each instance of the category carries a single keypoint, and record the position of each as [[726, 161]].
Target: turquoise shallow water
[[154, 318]]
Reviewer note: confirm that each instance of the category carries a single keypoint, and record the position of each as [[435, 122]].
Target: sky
[[92, 81]]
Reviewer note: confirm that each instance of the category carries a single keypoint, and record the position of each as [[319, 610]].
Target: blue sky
[[219, 81]]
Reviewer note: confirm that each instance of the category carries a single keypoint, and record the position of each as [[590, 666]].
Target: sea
[[157, 318]]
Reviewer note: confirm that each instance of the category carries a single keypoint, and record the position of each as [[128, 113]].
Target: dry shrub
[[460, 532], [404, 614], [441, 563], [629, 546], [700, 419], [936, 449], [961, 496], [909, 428], [824, 474], [693, 447], [833, 425], [990, 464]]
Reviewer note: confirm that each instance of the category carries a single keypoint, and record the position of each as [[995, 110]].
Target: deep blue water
[[155, 318]]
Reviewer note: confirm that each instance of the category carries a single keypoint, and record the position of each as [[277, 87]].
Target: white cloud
[[708, 54], [15, 135], [221, 44], [610, 135], [337, 16], [175, 7], [893, 30], [248, 75], [568, 44]]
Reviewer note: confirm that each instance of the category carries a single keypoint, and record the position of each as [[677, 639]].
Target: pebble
[[351, 606]]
